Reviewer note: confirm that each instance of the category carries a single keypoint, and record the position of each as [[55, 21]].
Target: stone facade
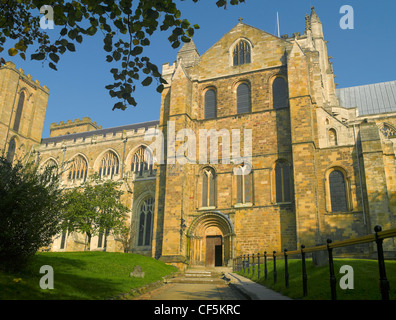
[[318, 168], [20, 128]]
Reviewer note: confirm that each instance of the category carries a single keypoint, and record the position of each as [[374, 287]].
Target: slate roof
[[370, 99], [108, 131]]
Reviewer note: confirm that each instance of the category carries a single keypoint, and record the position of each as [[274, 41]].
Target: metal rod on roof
[[277, 18]]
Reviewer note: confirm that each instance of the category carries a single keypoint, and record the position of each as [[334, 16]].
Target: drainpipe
[[123, 159]]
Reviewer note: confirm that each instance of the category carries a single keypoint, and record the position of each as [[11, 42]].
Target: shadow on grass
[[88, 276]]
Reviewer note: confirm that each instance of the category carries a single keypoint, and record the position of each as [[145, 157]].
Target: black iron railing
[[247, 262]]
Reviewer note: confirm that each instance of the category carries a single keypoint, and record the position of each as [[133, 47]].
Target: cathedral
[[321, 159]]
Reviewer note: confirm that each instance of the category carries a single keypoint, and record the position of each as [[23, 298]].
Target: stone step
[[198, 277], [196, 280]]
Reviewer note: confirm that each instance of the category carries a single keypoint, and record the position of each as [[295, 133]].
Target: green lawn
[[82, 275], [365, 275]]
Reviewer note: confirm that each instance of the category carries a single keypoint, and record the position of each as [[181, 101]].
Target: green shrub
[[30, 212]]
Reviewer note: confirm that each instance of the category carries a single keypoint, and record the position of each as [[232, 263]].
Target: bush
[[30, 212]]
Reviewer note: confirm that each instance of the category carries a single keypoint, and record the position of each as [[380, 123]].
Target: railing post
[[333, 281], [286, 270], [248, 263], [275, 274], [304, 272], [253, 264], [265, 265], [383, 281], [244, 264], [258, 265]]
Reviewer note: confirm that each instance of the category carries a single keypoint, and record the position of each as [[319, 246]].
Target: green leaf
[[176, 44], [146, 82], [160, 88], [116, 55], [52, 66], [70, 46], [136, 50], [12, 52], [54, 57], [38, 56]]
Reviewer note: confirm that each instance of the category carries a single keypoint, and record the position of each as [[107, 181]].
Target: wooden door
[[214, 251]]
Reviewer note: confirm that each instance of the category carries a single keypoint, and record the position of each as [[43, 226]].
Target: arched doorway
[[210, 239]]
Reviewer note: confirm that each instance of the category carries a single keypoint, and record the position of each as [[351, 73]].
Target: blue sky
[[364, 55]]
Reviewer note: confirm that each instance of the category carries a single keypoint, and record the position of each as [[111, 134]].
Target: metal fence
[[251, 262]]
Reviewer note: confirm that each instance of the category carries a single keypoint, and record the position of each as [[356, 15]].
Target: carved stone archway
[[200, 233]]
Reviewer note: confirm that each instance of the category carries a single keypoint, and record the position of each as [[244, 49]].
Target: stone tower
[[23, 104]]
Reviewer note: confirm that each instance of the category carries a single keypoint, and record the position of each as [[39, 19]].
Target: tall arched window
[[338, 191], [11, 150], [63, 240], [243, 175], [208, 187], [109, 166], [280, 97], [146, 212], [19, 110], [52, 166], [241, 53], [102, 239], [332, 137], [78, 169], [142, 161], [282, 182], [210, 104], [243, 98]]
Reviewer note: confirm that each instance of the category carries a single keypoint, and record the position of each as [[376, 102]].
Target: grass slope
[[82, 275], [365, 279]]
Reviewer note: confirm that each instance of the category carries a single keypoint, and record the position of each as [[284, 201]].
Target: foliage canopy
[[125, 26]]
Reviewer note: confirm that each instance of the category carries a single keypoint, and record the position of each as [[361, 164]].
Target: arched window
[[63, 240], [388, 131], [19, 110], [102, 239], [146, 212], [210, 104], [241, 53], [109, 166], [338, 195], [11, 150], [52, 166], [243, 98], [142, 161], [208, 187], [78, 169], [332, 137], [243, 175], [280, 95], [282, 182]]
